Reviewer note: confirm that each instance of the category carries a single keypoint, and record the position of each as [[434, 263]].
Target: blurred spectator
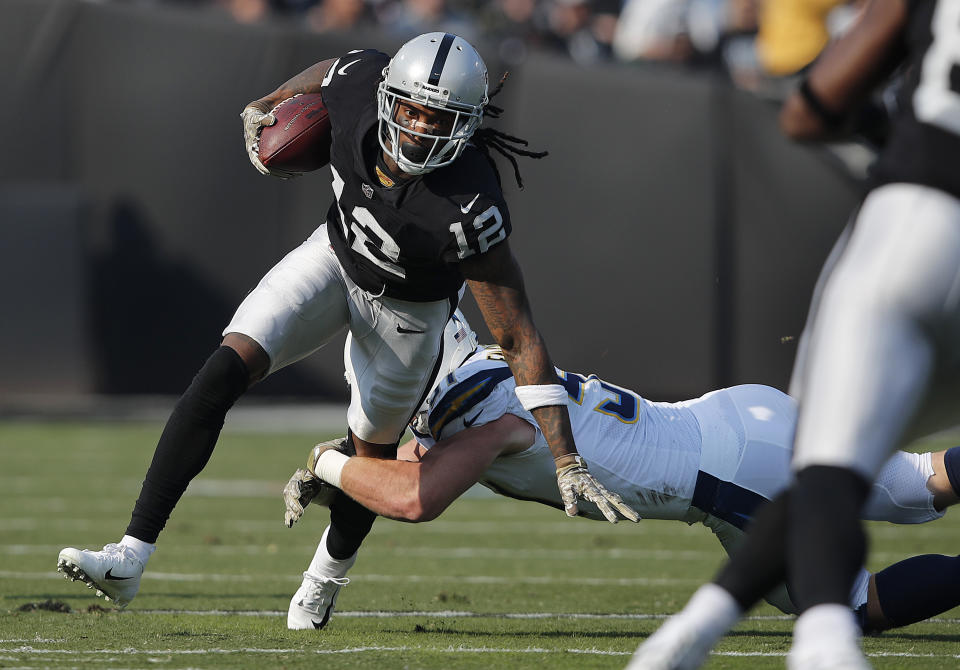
[[653, 30], [245, 11], [792, 33], [757, 42], [334, 15], [511, 26], [717, 33], [410, 18], [291, 7], [574, 28]]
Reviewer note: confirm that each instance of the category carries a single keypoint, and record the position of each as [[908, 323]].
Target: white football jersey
[[648, 452], [711, 460]]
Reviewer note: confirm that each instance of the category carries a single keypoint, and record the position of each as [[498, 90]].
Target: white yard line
[[426, 552], [459, 553], [468, 579], [494, 527], [27, 650], [450, 614]]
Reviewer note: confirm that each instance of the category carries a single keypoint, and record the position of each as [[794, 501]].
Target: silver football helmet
[[440, 71]]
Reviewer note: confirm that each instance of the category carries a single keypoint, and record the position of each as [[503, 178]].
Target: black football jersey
[[924, 146], [404, 241]]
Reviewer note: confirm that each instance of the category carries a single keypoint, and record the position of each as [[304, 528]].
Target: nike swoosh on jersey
[[408, 331], [466, 208], [343, 70], [110, 576], [469, 422]]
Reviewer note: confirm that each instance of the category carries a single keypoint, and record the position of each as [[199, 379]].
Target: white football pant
[[880, 352], [307, 298]]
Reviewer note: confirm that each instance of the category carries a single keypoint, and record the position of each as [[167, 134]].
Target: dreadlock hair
[[506, 145]]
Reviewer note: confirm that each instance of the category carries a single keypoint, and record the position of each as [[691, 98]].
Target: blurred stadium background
[[670, 241]]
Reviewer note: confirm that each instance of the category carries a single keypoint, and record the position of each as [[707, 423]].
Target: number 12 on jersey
[[480, 238]]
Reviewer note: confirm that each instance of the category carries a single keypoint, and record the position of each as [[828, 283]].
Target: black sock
[[760, 564], [188, 440], [918, 588], [349, 524], [826, 542]]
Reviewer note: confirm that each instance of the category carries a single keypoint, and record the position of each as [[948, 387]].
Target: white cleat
[[676, 645], [114, 572], [826, 637], [849, 657], [312, 604]]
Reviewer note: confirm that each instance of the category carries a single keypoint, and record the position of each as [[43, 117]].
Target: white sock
[[713, 608], [325, 565], [826, 627], [140, 549]]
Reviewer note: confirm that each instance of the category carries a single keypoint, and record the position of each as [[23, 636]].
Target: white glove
[[575, 482], [254, 120]]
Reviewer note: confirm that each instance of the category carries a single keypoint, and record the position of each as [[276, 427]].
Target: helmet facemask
[[436, 149]]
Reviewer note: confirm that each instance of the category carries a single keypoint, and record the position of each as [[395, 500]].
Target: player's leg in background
[[919, 587], [870, 358], [270, 329]]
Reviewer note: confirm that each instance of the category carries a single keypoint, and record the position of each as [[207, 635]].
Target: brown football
[[300, 139]]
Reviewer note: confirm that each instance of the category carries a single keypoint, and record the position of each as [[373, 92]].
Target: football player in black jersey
[[879, 362], [418, 209]]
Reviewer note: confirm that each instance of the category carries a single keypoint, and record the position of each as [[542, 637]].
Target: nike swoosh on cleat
[[469, 422], [322, 622], [466, 208], [110, 576], [407, 331]]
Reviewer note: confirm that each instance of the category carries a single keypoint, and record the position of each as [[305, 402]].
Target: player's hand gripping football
[[305, 487], [576, 482], [254, 120]]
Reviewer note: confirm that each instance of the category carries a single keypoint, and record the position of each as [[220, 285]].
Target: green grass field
[[492, 583]]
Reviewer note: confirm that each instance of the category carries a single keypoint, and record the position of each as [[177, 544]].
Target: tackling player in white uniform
[[711, 460]]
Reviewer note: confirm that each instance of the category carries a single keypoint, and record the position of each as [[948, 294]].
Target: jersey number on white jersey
[[621, 403]]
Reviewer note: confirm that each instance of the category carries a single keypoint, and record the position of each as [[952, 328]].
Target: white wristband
[[533, 396], [329, 466]]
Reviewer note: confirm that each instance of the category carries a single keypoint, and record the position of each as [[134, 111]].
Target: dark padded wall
[[668, 242], [614, 227], [46, 332], [788, 207]]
